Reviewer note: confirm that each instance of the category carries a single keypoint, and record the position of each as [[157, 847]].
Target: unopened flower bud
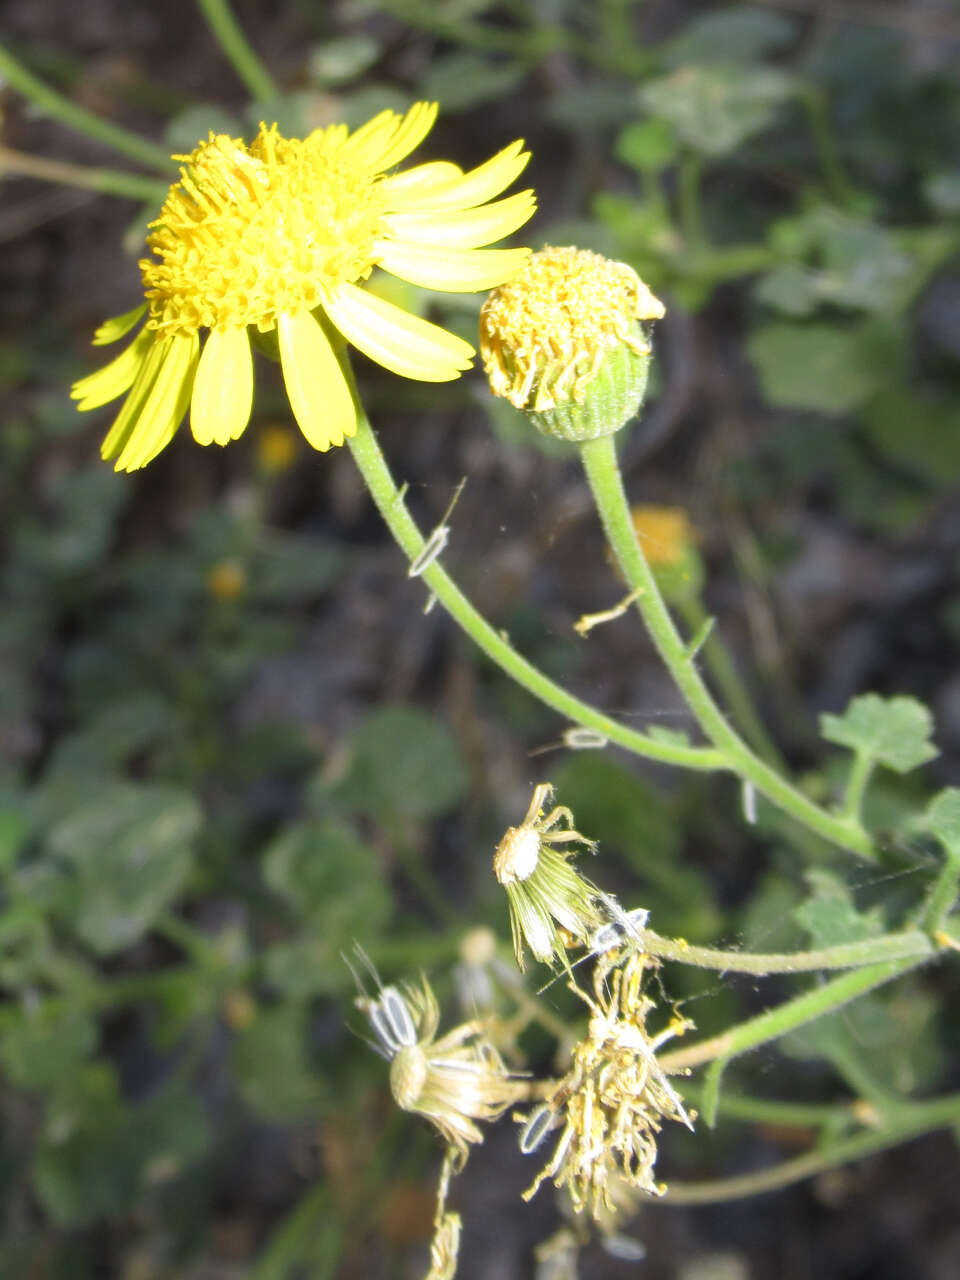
[[564, 341]]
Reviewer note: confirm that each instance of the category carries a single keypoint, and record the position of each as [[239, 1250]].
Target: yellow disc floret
[[548, 334], [544, 334], [249, 233]]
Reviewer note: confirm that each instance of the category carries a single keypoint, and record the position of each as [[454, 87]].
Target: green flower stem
[[600, 463], [721, 666], [800, 1115], [776, 1022], [368, 457], [943, 894], [837, 183], [238, 50], [860, 772], [919, 1118], [56, 105], [911, 944], [111, 182], [688, 198]]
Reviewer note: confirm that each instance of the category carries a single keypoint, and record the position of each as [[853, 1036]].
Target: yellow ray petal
[[165, 404], [126, 419], [480, 184], [412, 184], [453, 270], [465, 228], [223, 388], [403, 343], [114, 378], [114, 329], [319, 395], [372, 134], [411, 131]]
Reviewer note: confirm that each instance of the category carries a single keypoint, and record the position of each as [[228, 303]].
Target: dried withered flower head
[[454, 1080], [545, 893], [612, 1103]]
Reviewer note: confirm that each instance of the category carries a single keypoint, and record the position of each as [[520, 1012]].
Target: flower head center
[[250, 232]]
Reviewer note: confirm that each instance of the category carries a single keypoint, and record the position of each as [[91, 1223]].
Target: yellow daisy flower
[[275, 239]]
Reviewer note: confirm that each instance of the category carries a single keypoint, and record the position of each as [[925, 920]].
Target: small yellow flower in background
[[669, 542], [453, 1080], [563, 341], [546, 895], [227, 580], [276, 238], [276, 449], [665, 533], [612, 1103]]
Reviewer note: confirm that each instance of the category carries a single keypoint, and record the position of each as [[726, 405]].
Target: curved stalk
[[237, 49], [111, 182], [917, 1119], [373, 467], [911, 944], [56, 105], [600, 463]]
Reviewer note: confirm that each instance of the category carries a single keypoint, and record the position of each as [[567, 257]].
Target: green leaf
[[942, 190], [647, 145], [329, 877], [942, 818], [311, 965], [116, 733], [916, 428], [740, 34], [892, 731], [829, 915], [459, 81], [268, 1059], [129, 850], [884, 1044], [821, 367], [194, 123], [715, 108], [343, 58], [403, 763], [98, 1155], [46, 1045]]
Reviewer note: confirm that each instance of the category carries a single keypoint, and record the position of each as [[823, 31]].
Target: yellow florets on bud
[[564, 341]]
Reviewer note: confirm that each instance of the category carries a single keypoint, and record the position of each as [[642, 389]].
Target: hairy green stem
[[56, 105], [368, 457], [911, 944], [837, 183], [600, 463], [814, 1003], [688, 197], [919, 1118], [111, 182], [721, 666], [860, 772], [800, 1115], [943, 894], [237, 49]]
